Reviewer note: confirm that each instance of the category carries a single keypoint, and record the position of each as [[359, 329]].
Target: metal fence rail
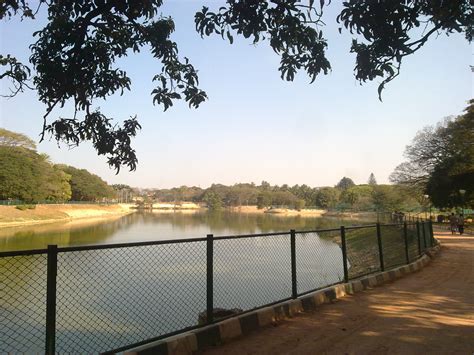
[[101, 298]]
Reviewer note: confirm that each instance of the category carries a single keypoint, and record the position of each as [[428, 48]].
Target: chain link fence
[[148, 291], [426, 239], [362, 251], [393, 245], [101, 298], [414, 249], [246, 275], [22, 303], [318, 260]]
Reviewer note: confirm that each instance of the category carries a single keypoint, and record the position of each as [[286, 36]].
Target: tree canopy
[[74, 56], [14, 139], [29, 176], [357, 198], [86, 186], [345, 183], [440, 161]]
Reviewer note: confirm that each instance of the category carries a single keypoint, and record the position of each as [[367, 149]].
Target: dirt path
[[430, 312]]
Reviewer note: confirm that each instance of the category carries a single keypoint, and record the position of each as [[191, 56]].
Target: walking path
[[429, 312]]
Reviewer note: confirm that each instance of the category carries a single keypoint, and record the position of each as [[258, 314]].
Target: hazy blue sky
[[255, 126]]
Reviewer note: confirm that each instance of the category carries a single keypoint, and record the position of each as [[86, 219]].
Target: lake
[[109, 298], [158, 226]]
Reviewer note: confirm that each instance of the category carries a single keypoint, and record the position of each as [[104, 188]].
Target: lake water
[[157, 226], [110, 298]]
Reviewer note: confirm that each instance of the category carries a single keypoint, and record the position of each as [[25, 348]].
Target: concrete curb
[[229, 329]]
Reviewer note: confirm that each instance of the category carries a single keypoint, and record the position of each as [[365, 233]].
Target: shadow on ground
[[431, 311]]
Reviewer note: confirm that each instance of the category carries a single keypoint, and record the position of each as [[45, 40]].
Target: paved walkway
[[430, 312]]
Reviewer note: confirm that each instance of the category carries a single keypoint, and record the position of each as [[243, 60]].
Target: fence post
[[344, 253], [294, 289], [418, 236], [423, 229], [379, 241], [52, 270], [432, 240], [210, 278], [405, 237]]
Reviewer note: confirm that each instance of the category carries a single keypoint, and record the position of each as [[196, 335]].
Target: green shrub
[[25, 207]]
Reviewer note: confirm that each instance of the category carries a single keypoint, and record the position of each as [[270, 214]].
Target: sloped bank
[[10, 216], [232, 328]]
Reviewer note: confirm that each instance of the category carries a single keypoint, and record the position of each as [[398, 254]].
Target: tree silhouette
[[345, 183], [440, 161], [74, 56], [372, 180]]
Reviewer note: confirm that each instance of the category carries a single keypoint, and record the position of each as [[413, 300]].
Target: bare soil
[[279, 211], [11, 216], [428, 312]]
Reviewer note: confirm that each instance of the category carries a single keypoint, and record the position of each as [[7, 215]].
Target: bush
[[299, 204], [25, 207]]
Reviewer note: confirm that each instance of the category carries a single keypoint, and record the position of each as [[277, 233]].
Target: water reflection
[[143, 226], [65, 233]]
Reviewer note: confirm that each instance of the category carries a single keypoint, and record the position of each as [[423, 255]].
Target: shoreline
[[303, 212], [278, 211], [10, 216], [56, 226]]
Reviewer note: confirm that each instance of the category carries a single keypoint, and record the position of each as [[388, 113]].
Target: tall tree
[[265, 185], [327, 197], [264, 199], [440, 161], [212, 200], [75, 54], [56, 184], [86, 186], [345, 183], [124, 193], [387, 198], [29, 176], [350, 196], [372, 181]]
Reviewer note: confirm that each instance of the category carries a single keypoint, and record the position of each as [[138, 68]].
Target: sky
[[256, 126]]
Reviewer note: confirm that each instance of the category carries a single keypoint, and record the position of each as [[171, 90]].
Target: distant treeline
[[30, 176], [344, 196]]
